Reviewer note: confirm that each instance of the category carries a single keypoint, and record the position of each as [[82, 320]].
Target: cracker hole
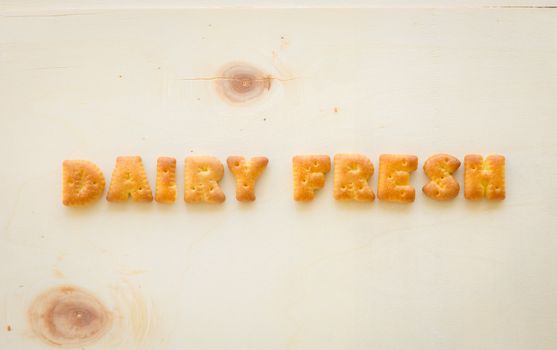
[[236, 163]]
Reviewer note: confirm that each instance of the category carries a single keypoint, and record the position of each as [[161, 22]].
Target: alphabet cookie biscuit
[[166, 180], [351, 175], [439, 168], [484, 178], [129, 180], [394, 178], [309, 175], [82, 182], [201, 177], [246, 173]]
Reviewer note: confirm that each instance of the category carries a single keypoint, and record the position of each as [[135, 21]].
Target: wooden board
[[79, 83]]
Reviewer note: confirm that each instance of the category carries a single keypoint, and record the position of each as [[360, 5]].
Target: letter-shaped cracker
[[484, 177], [82, 182], [439, 168], [352, 173], [394, 178], [201, 177], [246, 173], [309, 175], [129, 180], [166, 180]]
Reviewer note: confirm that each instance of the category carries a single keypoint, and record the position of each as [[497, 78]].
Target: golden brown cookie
[[201, 177], [82, 182], [309, 175], [484, 177], [166, 180], [246, 173], [439, 168], [351, 176], [394, 178], [129, 180]]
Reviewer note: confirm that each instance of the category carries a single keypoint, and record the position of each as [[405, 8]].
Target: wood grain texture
[[276, 274]]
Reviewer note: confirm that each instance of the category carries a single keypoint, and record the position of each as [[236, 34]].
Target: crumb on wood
[[9, 328]]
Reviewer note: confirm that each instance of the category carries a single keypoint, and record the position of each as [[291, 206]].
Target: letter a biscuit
[[129, 180]]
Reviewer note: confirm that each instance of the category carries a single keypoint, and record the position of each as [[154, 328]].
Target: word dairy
[[84, 182]]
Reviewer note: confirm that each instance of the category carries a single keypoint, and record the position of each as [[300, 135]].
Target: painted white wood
[[275, 274]]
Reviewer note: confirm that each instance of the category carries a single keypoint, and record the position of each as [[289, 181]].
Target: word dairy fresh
[[84, 182]]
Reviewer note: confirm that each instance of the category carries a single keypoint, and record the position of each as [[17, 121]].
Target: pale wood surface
[[97, 82]]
